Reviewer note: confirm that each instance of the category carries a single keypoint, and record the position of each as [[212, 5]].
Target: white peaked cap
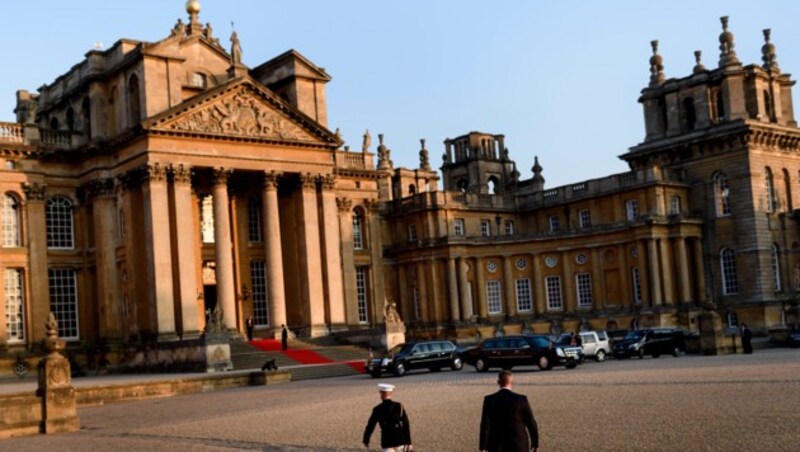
[[385, 387]]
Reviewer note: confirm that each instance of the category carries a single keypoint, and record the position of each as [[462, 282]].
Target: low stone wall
[[21, 414]]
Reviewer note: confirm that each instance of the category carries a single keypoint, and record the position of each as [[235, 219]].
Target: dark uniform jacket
[[387, 414], [506, 422]]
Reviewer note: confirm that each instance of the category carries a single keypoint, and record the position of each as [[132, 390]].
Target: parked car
[[433, 355], [793, 338], [594, 344], [654, 342], [527, 350]]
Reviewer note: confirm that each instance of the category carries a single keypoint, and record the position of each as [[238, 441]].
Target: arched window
[[87, 118], [727, 262], [358, 229], [70, 117], [770, 192], [721, 195], [53, 123], [492, 183], [787, 186], [462, 185], [732, 320], [59, 223], [412, 189], [776, 268], [689, 116], [10, 219], [134, 100], [253, 219]]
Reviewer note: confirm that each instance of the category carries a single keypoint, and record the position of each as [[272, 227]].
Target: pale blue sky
[[559, 79]]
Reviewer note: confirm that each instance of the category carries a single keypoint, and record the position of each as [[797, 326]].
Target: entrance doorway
[[210, 299]]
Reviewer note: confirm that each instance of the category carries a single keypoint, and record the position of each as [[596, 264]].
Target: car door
[[419, 357], [589, 344], [437, 352]]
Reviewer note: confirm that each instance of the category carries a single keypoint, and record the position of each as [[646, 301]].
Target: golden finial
[[193, 7]]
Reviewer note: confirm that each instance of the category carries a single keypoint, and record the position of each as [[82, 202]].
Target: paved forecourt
[[744, 402]]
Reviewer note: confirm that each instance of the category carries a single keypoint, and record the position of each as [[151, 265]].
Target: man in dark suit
[[507, 420]]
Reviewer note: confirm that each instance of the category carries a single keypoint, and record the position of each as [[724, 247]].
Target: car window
[[540, 342], [502, 343], [634, 335], [602, 335], [488, 345], [588, 338], [435, 347], [520, 342], [564, 339], [448, 347]]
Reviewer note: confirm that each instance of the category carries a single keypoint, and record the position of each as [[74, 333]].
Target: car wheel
[[544, 363], [399, 370], [676, 352], [641, 353], [571, 364], [481, 365], [600, 356], [457, 364]]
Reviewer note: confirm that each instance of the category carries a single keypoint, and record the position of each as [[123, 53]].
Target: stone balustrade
[[11, 133], [353, 160], [56, 138]]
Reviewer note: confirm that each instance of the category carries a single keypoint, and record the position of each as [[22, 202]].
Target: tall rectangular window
[[412, 232], [776, 269], [361, 293], [584, 218], [59, 223], [15, 305], [553, 286], [524, 300], [10, 221], [583, 283], [676, 205], [554, 223], [358, 233], [486, 230], [458, 227], [636, 285], [415, 298], [494, 299], [510, 227], [64, 301], [253, 219], [258, 278], [632, 209]]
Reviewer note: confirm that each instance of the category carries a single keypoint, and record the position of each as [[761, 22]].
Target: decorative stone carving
[[181, 174], [308, 181], [59, 408], [153, 172], [221, 176], [34, 191], [424, 161], [241, 114], [367, 142], [395, 329], [344, 204], [372, 205], [271, 180], [99, 187], [384, 155], [130, 180], [328, 181]]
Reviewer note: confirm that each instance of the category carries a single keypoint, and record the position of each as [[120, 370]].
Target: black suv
[[433, 355], [527, 350], [654, 342]]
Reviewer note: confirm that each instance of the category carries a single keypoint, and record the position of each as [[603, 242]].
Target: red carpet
[[267, 345], [357, 365], [304, 356]]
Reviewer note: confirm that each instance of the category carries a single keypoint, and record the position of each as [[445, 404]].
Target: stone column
[[509, 285], [345, 206], [433, 292], [310, 258], [570, 300], [626, 286], [274, 253], [452, 286], [463, 289], [667, 272], [158, 247], [598, 281], [654, 272], [424, 304], [186, 250], [376, 253], [538, 285], [37, 248], [405, 304], [685, 284], [223, 249], [480, 289], [332, 254], [699, 267], [104, 212]]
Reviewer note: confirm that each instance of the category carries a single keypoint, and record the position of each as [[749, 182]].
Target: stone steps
[[321, 371]]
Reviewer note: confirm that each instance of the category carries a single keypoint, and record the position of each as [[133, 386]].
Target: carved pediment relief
[[241, 113]]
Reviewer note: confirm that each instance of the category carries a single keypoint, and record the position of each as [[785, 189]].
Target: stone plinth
[[713, 340], [59, 410], [394, 333], [218, 355]]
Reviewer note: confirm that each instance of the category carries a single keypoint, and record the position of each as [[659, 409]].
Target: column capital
[[308, 181], [130, 180], [373, 205], [271, 180], [221, 175], [34, 191], [153, 172], [102, 186], [344, 204], [181, 174], [327, 181]]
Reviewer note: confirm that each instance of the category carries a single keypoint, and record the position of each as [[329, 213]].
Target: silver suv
[[594, 344]]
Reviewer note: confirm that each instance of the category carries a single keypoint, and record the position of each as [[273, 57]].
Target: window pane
[[524, 302], [10, 217], [258, 279], [64, 301], [493, 297], [58, 220], [553, 286], [15, 305]]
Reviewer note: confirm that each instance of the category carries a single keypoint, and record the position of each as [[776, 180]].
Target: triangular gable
[[241, 109]]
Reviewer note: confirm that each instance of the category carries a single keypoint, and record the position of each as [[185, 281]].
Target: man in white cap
[[392, 417]]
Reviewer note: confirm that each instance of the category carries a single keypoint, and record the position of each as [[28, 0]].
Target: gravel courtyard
[[741, 402]]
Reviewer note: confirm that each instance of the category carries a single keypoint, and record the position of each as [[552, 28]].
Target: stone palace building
[[155, 182]]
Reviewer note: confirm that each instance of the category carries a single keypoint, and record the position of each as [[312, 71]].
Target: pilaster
[[463, 289], [39, 301], [480, 289], [654, 272], [508, 284], [667, 272], [452, 286], [345, 206], [684, 283]]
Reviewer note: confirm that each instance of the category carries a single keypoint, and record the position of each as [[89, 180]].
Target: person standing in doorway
[[507, 420], [392, 417], [249, 325], [284, 338], [747, 338]]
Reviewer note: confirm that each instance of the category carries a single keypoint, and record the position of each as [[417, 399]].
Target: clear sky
[[560, 79]]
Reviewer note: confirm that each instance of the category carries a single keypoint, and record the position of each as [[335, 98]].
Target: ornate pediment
[[239, 113]]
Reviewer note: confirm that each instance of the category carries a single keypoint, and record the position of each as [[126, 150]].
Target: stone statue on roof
[[236, 50]]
